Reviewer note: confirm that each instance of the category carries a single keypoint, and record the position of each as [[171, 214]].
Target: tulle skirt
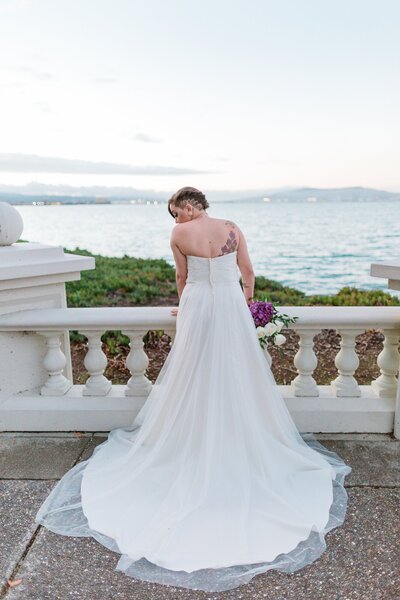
[[212, 483]]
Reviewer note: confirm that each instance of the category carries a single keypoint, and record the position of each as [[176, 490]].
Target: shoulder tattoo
[[230, 244]]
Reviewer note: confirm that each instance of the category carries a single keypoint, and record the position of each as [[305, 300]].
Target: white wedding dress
[[212, 483]]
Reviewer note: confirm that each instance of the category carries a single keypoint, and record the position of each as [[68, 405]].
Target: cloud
[[30, 163], [107, 80], [148, 139], [41, 75], [43, 107], [9, 6]]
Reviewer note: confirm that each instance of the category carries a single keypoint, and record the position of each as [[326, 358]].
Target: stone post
[[32, 275], [391, 271]]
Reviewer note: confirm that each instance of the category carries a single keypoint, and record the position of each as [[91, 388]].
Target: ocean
[[316, 247]]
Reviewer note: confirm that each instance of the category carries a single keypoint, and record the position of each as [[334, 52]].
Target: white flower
[[279, 325], [280, 339], [270, 328], [260, 331]]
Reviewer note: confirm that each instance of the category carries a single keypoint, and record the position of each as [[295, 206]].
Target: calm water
[[315, 247]]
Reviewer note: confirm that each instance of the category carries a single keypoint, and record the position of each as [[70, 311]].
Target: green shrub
[[129, 281]]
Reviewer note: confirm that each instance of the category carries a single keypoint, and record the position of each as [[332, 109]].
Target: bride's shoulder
[[226, 222], [178, 231], [229, 224]]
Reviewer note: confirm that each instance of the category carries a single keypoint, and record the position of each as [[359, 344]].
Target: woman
[[212, 484], [199, 235]]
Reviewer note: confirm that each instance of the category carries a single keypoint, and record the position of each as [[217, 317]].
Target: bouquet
[[269, 322]]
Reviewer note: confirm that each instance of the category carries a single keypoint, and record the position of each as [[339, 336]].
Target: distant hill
[[13, 198], [111, 195], [350, 194], [65, 194]]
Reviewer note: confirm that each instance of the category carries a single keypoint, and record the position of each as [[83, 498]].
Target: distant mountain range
[[349, 194], [50, 194], [36, 191]]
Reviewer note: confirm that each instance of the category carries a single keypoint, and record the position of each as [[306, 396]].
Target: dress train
[[212, 483]]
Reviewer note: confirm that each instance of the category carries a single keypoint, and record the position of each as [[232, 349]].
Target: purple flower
[[261, 312]]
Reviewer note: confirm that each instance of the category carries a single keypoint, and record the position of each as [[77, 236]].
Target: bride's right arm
[[245, 268], [180, 263]]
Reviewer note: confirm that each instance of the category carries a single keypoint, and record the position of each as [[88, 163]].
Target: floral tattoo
[[231, 243]]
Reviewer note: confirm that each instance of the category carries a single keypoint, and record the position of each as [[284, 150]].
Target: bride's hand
[[174, 312]]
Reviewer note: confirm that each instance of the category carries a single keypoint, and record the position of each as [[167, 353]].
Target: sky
[[216, 94]]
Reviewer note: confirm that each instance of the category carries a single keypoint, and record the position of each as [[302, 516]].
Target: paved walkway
[[359, 563]]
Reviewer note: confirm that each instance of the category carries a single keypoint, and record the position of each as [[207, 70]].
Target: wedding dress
[[212, 483]]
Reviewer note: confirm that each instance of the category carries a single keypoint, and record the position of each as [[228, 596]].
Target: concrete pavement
[[359, 563]]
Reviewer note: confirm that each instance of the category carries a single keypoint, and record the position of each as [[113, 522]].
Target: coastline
[[130, 281]]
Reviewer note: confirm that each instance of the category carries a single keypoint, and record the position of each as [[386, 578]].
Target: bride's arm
[[245, 268], [180, 263]]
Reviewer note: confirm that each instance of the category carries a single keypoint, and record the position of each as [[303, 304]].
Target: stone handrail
[[105, 318], [344, 405], [157, 317]]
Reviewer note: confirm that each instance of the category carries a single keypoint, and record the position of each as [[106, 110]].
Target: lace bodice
[[219, 269]]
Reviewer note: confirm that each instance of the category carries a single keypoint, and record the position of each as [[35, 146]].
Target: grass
[[130, 281], [122, 281]]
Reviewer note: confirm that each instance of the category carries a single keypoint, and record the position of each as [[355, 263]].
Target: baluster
[[137, 362], [95, 362], [305, 361], [54, 362], [171, 333], [396, 429], [346, 361], [267, 355], [385, 386]]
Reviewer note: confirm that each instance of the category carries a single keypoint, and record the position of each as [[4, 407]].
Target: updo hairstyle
[[188, 195]]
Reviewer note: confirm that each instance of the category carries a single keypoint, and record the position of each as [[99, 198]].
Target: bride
[[212, 483]]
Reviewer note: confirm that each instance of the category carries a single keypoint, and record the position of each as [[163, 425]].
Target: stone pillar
[[32, 275], [391, 271]]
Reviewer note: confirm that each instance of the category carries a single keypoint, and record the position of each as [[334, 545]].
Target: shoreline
[[130, 281]]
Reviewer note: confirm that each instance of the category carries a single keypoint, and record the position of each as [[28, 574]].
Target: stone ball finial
[[11, 224]]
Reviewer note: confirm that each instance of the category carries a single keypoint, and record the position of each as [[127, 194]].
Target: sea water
[[316, 247]]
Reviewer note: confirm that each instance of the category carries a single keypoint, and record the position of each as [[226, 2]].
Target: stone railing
[[51, 402]]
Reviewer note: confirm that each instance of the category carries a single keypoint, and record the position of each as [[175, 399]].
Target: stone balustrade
[[36, 388], [57, 404]]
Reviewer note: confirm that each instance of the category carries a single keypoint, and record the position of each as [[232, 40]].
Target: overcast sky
[[218, 94]]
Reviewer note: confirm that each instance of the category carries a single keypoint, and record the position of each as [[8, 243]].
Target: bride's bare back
[[207, 237], [198, 234]]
